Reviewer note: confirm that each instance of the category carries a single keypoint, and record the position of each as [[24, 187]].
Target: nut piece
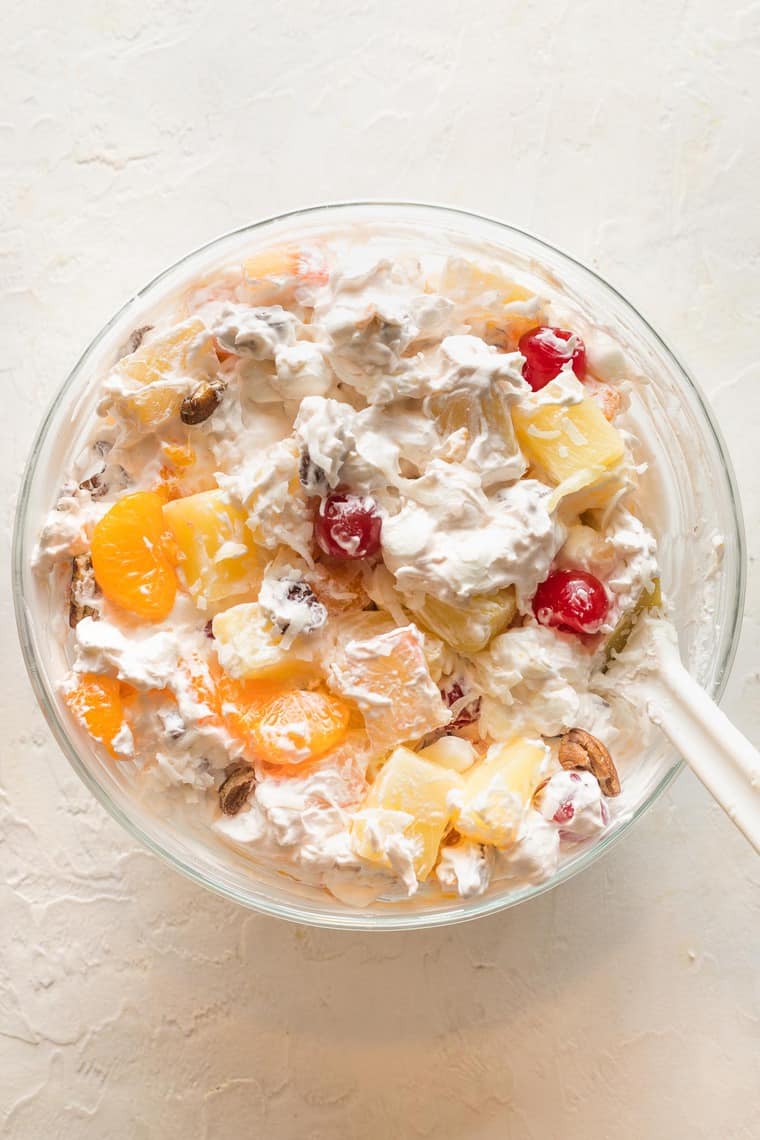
[[301, 593], [311, 476], [202, 402], [235, 790], [579, 749], [135, 339], [83, 589]]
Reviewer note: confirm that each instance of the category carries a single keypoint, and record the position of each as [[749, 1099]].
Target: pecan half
[[235, 790], [579, 749], [82, 591], [202, 402]]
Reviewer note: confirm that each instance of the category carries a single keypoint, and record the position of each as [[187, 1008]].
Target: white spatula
[[721, 756]]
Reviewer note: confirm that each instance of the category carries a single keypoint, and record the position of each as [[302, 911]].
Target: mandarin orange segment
[[225, 701], [96, 701], [179, 455], [241, 704], [298, 725], [131, 556]]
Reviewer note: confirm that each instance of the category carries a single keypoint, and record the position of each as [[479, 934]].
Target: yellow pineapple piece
[[218, 557], [496, 307], [388, 678], [574, 446], [355, 625], [473, 416], [408, 801], [469, 627], [454, 752], [154, 375], [250, 648], [497, 792], [274, 274], [591, 490], [479, 433]]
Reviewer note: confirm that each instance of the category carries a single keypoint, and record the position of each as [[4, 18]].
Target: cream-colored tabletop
[[134, 1004]]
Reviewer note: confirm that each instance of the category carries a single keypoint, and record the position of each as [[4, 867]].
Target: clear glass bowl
[[690, 491]]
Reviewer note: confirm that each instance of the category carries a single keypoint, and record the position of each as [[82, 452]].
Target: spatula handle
[[719, 754]]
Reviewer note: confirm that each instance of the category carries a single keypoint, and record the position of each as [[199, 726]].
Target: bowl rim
[[349, 919]]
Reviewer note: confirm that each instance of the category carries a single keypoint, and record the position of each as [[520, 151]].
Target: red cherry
[[348, 526], [564, 812], [546, 350], [467, 715], [571, 600]]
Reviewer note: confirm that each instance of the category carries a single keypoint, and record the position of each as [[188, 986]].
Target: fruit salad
[[350, 544]]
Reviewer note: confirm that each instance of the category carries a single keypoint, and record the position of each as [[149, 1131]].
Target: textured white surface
[[133, 1004]]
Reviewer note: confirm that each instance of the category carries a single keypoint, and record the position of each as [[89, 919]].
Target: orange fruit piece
[[298, 725], [240, 704], [96, 701], [227, 702], [275, 273], [276, 725], [179, 455], [131, 556]]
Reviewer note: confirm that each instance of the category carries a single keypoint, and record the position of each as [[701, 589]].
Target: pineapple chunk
[[497, 792], [569, 443], [495, 306], [452, 752], [470, 627], [591, 491], [462, 279], [479, 433], [276, 273], [408, 801], [616, 642], [250, 648], [218, 557], [586, 548], [388, 678], [156, 374]]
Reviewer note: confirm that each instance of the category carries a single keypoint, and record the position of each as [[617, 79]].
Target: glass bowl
[[690, 492]]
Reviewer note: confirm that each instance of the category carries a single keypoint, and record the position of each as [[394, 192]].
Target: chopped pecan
[[135, 339], [579, 749], [302, 593], [82, 591], [95, 486], [106, 476], [311, 476], [235, 790], [202, 402]]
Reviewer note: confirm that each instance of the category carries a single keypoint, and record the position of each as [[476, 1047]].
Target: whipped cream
[[347, 369]]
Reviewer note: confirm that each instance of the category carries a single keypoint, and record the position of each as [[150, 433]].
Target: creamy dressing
[[383, 376]]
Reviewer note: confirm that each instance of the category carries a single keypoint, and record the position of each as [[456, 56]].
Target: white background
[[132, 1003]]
